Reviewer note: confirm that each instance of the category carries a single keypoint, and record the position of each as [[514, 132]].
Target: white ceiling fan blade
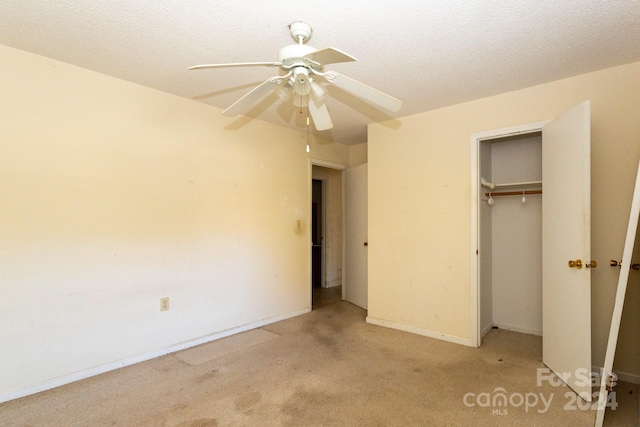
[[363, 91], [329, 55], [236, 64], [319, 114], [254, 96]]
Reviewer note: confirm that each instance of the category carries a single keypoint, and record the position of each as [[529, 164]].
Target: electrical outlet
[[164, 304]]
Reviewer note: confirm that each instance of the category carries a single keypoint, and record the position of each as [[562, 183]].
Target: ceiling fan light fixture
[[302, 87], [301, 84], [300, 101]]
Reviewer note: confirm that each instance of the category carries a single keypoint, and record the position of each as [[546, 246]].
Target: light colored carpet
[[324, 368]]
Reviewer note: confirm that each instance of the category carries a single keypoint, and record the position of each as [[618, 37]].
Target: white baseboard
[[622, 376], [419, 331], [86, 373], [630, 378]]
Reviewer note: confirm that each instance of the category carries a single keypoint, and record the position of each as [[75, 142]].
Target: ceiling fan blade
[[363, 91], [319, 114], [329, 55], [236, 64], [254, 96]]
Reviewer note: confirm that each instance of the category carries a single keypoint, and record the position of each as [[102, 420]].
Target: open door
[[566, 248], [608, 377], [355, 272]]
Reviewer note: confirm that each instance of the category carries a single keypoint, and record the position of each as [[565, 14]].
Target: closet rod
[[513, 193]]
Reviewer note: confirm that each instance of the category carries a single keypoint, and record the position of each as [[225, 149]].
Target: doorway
[[510, 233], [326, 235], [317, 232], [484, 175]]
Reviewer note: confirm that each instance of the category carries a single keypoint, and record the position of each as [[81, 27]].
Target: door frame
[[476, 140], [329, 165]]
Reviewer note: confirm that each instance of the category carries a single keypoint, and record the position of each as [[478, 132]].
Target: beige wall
[[420, 205], [115, 195], [357, 154]]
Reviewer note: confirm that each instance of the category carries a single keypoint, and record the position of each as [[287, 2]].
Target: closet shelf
[[520, 184]]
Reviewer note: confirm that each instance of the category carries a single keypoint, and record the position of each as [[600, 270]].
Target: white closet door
[[623, 280], [355, 272], [566, 225]]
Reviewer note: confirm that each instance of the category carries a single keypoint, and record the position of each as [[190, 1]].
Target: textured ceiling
[[429, 54]]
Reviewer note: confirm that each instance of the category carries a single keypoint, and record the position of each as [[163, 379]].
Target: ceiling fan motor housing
[[292, 54]]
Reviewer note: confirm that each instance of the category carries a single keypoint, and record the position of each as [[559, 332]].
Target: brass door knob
[[592, 264], [576, 264], [615, 263]]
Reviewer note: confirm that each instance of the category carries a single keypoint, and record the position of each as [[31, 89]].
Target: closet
[[510, 233]]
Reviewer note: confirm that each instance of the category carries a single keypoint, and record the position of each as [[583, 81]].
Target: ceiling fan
[[302, 66]]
